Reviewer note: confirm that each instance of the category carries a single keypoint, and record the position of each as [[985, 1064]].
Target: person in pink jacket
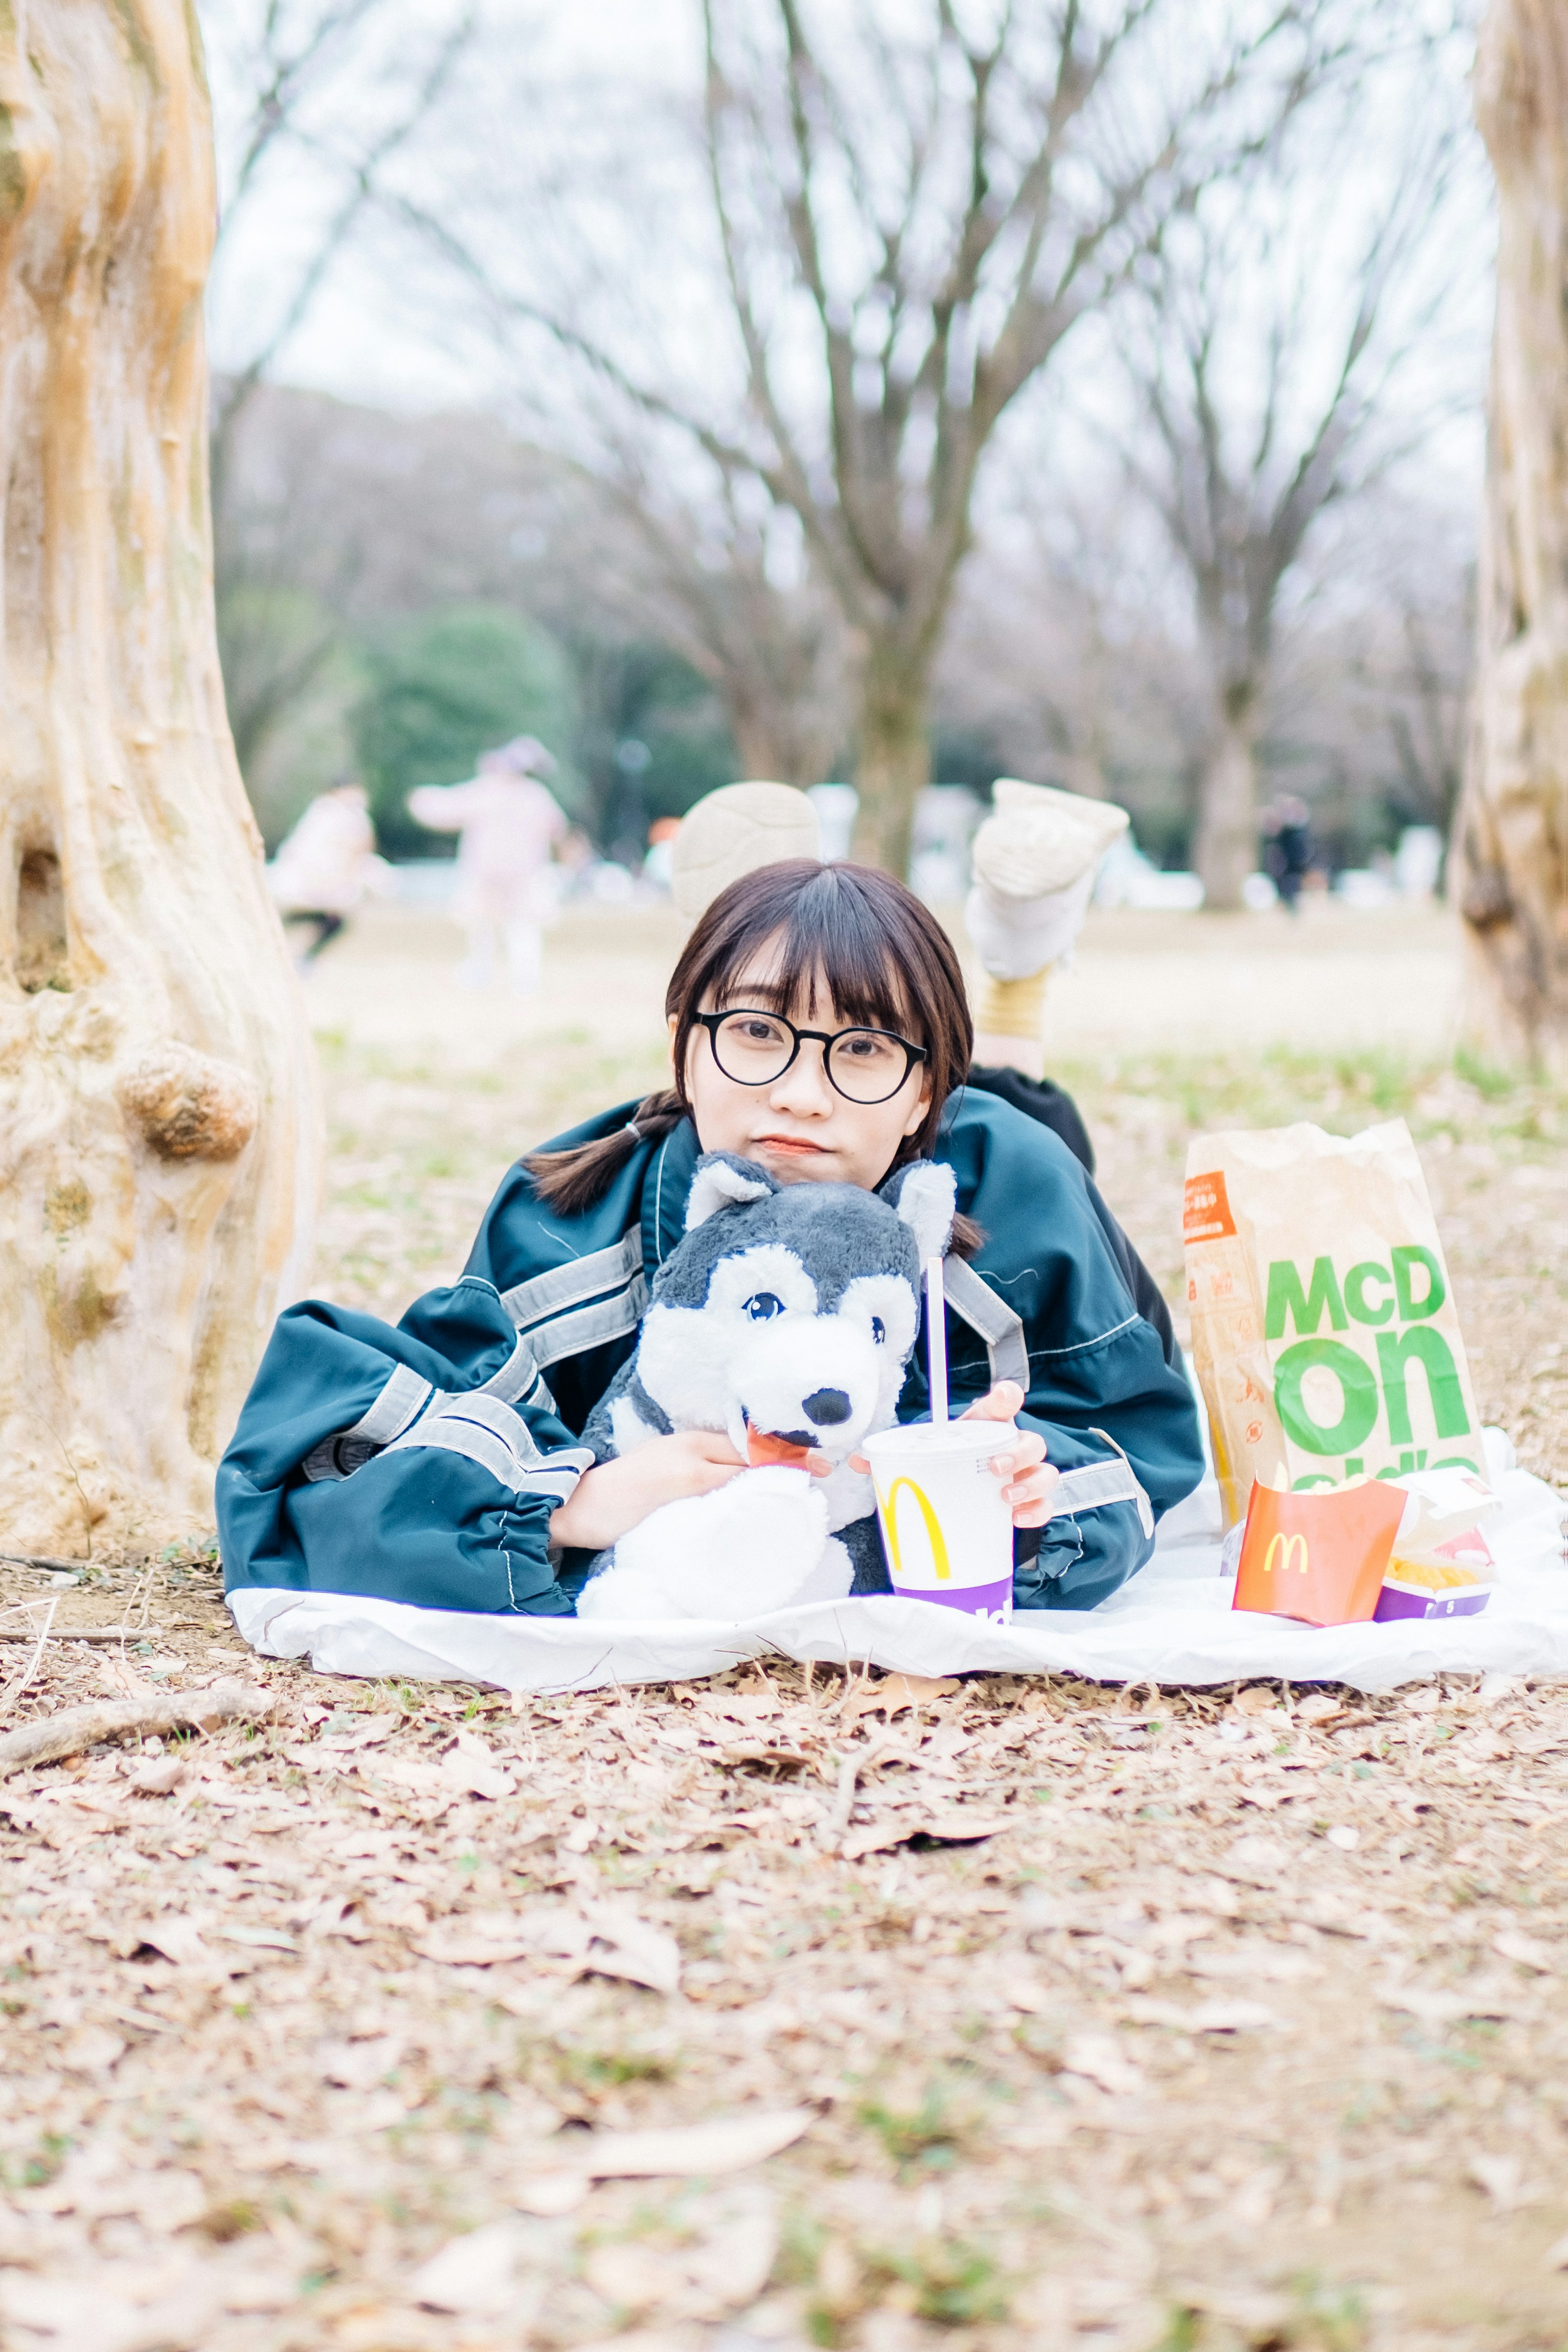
[[508, 824]]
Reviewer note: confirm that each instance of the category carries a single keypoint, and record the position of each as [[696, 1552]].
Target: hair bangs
[[832, 954]]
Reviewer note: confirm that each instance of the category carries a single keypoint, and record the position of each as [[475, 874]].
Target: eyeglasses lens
[[752, 1048], [865, 1065]]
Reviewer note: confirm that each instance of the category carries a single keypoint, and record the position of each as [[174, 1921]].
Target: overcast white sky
[[384, 328], [378, 330]]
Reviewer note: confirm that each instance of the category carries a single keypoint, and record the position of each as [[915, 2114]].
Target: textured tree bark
[[159, 1129], [892, 758], [1510, 843], [1225, 848]]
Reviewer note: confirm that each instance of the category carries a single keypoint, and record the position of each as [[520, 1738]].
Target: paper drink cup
[[947, 1534]]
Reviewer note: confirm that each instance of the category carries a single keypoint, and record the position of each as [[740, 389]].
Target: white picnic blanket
[[1171, 1623]]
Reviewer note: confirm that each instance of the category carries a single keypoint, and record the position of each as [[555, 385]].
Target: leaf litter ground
[[1123, 2018]]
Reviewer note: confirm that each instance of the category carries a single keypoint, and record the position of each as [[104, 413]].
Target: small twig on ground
[[850, 1771], [80, 1727], [34, 1631], [116, 1633], [42, 1559]]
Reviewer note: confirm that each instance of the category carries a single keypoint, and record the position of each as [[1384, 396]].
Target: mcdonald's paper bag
[[1324, 1327], [1321, 1557]]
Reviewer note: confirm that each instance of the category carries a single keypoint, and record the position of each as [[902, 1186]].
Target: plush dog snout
[[827, 1407]]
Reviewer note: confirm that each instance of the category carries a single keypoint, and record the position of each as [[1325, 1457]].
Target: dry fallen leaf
[[738, 2242], [727, 2144], [361, 2066], [1526, 1950], [551, 2193], [178, 1938], [896, 1694], [1100, 2058], [1502, 2178], [1433, 2006], [951, 1825], [624, 1946], [92, 2050], [480, 2272], [1204, 2017], [472, 1769]]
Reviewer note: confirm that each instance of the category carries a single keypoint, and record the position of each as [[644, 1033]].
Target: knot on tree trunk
[[1485, 899], [190, 1105]]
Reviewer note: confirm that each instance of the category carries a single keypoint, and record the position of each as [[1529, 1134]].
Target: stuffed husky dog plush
[[785, 1318]]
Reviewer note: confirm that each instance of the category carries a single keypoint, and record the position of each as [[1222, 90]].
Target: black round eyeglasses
[[865, 1065]]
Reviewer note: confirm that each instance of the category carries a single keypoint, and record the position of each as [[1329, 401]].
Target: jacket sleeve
[[1048, 1303], [418, 1463]]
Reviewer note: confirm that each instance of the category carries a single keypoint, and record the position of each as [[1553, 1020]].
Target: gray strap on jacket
[[977, 1304], [483, 1430], [1096, 1483], [401, 1400]]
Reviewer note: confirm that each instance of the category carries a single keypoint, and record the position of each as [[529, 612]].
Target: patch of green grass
[[236, 2219], [592, 2070], [40, 2165], [928, 2135], [953, 2283], [1326, 2316], [1182, 2330], [1343, 1091], [1492, 1084]]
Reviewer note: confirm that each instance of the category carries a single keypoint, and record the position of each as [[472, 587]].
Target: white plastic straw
[[937, 1338]]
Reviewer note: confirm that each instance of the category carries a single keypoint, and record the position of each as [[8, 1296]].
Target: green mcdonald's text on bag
[[1324, 1332]]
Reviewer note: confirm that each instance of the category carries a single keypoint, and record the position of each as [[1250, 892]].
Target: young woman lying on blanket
[[439, 1463]]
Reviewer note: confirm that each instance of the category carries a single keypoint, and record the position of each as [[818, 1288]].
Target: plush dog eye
[[878, 1329], [763, 1307]]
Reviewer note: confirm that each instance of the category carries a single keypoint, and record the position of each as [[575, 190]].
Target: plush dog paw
[[832, 1578], [747, 1548]]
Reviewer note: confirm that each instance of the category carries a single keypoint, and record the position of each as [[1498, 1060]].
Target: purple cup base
[[971, 1599]]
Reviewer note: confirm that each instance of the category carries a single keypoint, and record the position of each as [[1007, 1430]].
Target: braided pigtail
[[570, 1182]]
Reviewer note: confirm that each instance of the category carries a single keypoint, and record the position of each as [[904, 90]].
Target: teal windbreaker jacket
[[422, 1462]]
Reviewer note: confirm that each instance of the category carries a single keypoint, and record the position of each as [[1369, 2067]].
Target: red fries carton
[[1318, 1557]]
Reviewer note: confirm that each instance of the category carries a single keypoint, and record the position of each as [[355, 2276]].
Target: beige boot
[[731, 832], [1035, 859]]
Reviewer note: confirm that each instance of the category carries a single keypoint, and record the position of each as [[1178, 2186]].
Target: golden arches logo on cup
[[946, 1531], [1285, 1553], [940, 1564]]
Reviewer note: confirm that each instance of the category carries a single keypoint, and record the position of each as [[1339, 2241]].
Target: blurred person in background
[[327, 864], [1289, 848], [509, 825], [658, 865]]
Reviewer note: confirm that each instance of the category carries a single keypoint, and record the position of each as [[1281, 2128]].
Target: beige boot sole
[[732, 832], [1041, 840]]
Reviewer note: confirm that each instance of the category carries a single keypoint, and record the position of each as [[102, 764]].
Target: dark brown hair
[[847, 930]]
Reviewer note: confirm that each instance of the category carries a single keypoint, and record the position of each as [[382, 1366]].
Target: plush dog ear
[[722, 1182], [926, 1194]]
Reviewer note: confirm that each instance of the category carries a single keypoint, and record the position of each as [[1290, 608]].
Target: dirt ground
[[1141, 2020]]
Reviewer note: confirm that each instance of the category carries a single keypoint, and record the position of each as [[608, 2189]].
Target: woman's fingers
[[1029, 1495], [712, 1445], [1029, 1449], [1001, 1404]]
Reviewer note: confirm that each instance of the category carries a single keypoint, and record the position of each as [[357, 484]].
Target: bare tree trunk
[[1226, 849], [1511, 862], [158, 1141], [893, 761]]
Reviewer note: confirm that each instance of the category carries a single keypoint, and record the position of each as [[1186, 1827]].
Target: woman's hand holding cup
[[1030, 1480]]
